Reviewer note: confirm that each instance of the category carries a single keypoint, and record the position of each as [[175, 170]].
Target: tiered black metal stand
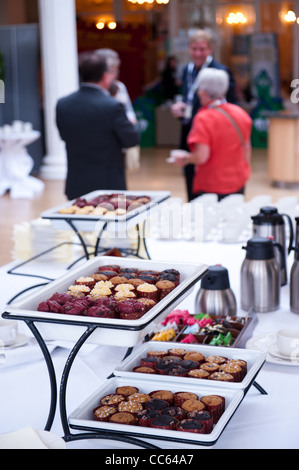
[[31, 324]]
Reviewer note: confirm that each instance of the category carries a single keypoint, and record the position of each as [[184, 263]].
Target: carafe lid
[[259, 248], [216, 278], [268, 215]]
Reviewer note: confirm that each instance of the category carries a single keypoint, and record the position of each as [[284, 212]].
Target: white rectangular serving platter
[[90, 223], [254, 359], [55, 326], [81, 418]]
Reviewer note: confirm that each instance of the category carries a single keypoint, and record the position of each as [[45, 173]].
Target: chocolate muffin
[[156, 404], [191, 425], [163, 395], [205, 418], [164, 422], [145, 417], [175, 411]]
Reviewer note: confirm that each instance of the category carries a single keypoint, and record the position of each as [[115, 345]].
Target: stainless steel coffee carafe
[[260, 276], [270, 224], [294, 277], [215, 296]]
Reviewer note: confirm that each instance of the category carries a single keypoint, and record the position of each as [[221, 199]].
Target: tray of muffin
[[118, 208], [153, 409], [215, 366], [180, 326], [115, 295]]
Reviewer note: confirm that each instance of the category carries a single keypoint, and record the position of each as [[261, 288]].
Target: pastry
[[204, 417], [158, 354], [148, 303], [187, 364], [149, 361], [175, 411], [234, 369], [193, 405], [194, 356], [210, 367], [86, 281], [216, 359], [180, 397], [177, 352], [198, 373], [144, 370], [139, 397], [126, 390], [156, 404], [131, 309], [163, 395], [164, 422], [148, 291], [215, 404], [164, 288], [103, 413], [145, 417], [191, 425], [222, 377], [123, 417], [112, 399], [130, 406]]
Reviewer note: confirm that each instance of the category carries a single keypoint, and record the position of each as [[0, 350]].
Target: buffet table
[[261, 421]]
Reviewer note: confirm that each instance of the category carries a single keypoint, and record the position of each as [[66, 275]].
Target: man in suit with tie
[[201, 46], [96, 131]]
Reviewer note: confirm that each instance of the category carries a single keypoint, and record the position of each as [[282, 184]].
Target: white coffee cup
[[8, 332], [288, 342], [177, 153]]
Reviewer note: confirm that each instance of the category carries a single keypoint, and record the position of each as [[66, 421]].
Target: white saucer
[[275, 352], [20, 340], [266, 343]]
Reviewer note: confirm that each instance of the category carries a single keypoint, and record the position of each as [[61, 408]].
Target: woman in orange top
[[219, 140]]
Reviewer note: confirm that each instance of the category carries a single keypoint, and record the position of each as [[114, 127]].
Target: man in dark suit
[[201, 46], [96, 131]]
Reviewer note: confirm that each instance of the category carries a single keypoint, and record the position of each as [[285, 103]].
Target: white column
[[60, 75]]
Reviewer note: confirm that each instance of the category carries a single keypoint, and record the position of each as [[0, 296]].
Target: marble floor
[[154, 174]]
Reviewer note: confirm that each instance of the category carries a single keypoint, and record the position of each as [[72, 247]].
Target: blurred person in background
[[169, 80], [219, 139], [201, 46], [95, 129], [119, 91]]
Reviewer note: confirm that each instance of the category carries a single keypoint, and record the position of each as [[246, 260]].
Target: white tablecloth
[[261, 421]]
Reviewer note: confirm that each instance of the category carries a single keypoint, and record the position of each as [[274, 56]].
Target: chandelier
[[149, 2]]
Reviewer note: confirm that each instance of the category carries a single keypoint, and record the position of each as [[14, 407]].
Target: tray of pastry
[[116, 208], [116, 295], [180, 326], [195, 364], [154, 409]]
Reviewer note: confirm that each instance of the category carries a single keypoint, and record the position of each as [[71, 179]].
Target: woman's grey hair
[[214, 81]]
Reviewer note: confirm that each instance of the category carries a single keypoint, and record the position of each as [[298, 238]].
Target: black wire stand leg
[[68, 436], [51, 371]]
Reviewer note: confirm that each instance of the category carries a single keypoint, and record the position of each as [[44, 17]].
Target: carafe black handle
[[291, 232], [282, 255]]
